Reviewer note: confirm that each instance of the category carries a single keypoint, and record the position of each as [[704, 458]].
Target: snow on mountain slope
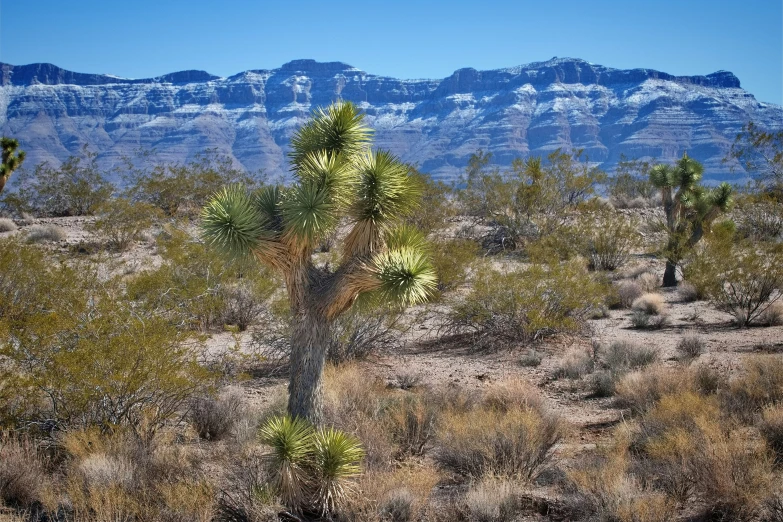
[[437, 124]]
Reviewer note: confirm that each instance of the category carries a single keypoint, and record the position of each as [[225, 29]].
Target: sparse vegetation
[[7, 225], [690, 347]]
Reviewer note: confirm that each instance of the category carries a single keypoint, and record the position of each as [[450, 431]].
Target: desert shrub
[[120, 221], [214, 418], [622, 356], [532, 200], [183, 187], [576, 364], [201, 291], [516, 443], [529, 303], [631, 181], [771, 428], [648, 281], [690, 347], [492, 500], [607, 239], [22, 472], [773, 315], [512, 393], [44, 233], [77, 352], [628, 292], [605, 491], [760, 219], [760, 384], [392, 496], [7, 225], [652, 304], [531, 358], [436, 205], [364, 330], [641, 390], [120, 476], [75, 188], [412, 420], [641, 319], [688, 292], [452, 259], [742, 279], [687, 450]]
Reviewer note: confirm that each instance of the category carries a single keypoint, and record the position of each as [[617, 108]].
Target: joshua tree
[[689, 207], [337, 177], [12, 159]]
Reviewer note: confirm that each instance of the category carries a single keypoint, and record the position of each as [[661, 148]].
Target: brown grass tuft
[[652, 304]]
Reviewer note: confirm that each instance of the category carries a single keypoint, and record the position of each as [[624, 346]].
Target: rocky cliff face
[[519, 111]]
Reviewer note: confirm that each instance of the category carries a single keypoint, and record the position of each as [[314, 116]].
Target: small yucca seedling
[[338, 459], [291, 443]]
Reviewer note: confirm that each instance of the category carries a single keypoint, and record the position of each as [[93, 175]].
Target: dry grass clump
[[771, 428], [628, 292], [576, 364], [641, 319], [688, 292], [773, 315], [393, 496], [513, 393], [648, 281], [22, 472], [44, 233], [688, 451], [122, 477], [690, 347], [641, 390], [7, 225], [412, 420], [491, 500], [214, 418], [652, 304], [506, 436], [760, 384], [531, 358], [622, 356]]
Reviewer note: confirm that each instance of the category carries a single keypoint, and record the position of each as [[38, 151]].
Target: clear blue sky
[[404, 39]]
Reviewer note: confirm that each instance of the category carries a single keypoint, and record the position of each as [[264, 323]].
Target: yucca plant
[[337, 460], [11, 159], [291, 457], [337, 178], [312, 468], [690, 208]]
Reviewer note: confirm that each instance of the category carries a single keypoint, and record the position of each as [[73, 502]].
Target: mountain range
[[250, 117]]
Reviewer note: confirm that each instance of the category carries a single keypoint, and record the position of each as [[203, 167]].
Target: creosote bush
[[527, 303], [741, 278], [120, 221], [77, 352]]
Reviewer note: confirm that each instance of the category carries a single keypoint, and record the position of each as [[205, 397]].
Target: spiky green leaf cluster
[[312, 467], [338, 128], [338, 457], [406, 275], [231, 222], [385, 191]]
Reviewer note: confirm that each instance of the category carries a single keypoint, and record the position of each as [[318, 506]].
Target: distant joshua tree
[[337, 176], [12, 159], [689, 207]]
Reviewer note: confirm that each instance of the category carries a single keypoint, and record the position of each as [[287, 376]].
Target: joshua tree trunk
[[2, 183], [309, 342], [670, 275]]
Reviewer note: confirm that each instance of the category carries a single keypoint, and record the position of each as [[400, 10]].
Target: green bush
[[183, 187], [607, 239], [76, 188], [741, 278], [77, 352], [121, 221], [452, 259], [527, 303], [197, 289]]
